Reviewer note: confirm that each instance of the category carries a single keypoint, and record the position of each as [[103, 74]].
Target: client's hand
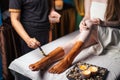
[[82, 25], [54, 17], [96, 21]]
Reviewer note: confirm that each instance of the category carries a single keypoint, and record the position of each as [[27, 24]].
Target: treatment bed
[[110, 59]]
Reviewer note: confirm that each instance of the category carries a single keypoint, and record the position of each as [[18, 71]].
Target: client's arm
[[110, 23], [114, 24], [87, 4]]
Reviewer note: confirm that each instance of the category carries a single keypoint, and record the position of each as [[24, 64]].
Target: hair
[[112, 10]]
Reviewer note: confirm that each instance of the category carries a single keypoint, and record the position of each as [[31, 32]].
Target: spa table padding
[[110, 60]]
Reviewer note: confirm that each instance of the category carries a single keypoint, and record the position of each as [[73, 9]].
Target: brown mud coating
[[56, 54], [48, 60], [66, 62]]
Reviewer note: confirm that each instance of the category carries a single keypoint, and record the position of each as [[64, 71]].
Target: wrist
[[85, 18], [102, 23], [26, 39]]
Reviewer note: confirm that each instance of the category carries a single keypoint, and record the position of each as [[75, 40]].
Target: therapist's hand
[[33, 43], [54, 17]]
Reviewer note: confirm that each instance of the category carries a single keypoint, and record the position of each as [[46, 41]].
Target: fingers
[[96, 20], [36, 41], [83, 27], [33, 43], [54, 17], [88, 23]]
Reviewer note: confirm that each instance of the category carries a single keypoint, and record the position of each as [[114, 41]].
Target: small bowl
[[83, 67], [86, 73], [93, 69]]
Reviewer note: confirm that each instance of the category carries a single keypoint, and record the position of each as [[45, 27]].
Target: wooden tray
[[75, 73]]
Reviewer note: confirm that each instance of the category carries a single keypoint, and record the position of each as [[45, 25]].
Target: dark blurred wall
[[4, 4]]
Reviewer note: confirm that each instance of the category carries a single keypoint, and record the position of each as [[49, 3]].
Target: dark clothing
[[32, 10], [19, 76], [34, 18], [41, 36]]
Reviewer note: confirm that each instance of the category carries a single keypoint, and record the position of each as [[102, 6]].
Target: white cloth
[[107, 37], [97, 10], [21, 64], [111, 61]]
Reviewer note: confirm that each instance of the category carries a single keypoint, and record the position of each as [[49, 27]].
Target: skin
[[75, 46], [70, 52], [15, 19], [65, 63], [30, 41], [54, 17]]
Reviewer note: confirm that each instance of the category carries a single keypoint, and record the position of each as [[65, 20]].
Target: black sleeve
[[15, 4]]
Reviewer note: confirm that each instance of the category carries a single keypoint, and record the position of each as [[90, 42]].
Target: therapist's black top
[[33, 12], [34, 18]]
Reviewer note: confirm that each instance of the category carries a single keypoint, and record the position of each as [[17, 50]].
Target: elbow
[[14, 21], [14, 18]]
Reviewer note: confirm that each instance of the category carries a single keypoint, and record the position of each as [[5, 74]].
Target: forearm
[[20, 30], [87, 4], [110, 23]]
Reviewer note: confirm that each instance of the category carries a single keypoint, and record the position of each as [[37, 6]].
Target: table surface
[[108, 61]]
